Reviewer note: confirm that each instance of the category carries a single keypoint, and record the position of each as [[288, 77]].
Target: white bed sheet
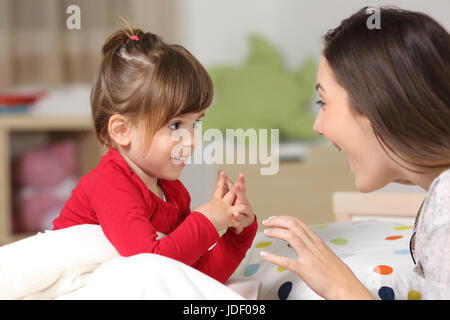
[[80, 263]]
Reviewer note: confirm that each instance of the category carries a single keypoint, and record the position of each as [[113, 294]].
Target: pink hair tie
[[133, 37]]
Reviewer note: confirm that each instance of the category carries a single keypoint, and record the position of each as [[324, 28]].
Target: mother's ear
[[119, 129]]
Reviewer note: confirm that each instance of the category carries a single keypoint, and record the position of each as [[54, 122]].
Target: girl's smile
[[179, 161]]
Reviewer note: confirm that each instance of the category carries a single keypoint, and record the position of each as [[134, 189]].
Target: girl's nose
[[192, 142]]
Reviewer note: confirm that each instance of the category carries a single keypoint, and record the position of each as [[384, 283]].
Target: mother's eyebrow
[[319, 86]]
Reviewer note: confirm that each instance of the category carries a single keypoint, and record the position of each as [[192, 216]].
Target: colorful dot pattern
[[386, 293], [376, 251], [414, 295], [263, 244], [285, 290], [383, 269], [339, 241], [393, 237]]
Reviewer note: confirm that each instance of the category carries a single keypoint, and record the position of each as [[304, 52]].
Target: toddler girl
[[145, 90]]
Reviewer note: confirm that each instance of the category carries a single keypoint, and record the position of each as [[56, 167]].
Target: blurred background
[[262, 56]]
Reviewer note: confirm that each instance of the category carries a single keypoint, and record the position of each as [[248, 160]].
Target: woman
[[385, 101]]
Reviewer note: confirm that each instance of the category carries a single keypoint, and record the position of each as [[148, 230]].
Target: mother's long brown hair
[[399, 78]]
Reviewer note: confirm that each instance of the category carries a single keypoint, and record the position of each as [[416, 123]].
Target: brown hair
[[146, 79], [399, 78]]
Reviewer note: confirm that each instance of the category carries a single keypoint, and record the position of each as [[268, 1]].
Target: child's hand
[[220, 210], [246, 215]]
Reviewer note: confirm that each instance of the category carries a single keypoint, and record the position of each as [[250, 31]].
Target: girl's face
[[169, 150], [368, 162]]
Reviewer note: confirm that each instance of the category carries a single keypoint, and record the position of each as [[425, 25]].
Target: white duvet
[[80, 263]]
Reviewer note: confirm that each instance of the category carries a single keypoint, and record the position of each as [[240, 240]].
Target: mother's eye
[[320, 103]]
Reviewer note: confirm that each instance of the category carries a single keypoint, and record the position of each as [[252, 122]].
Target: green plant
[[262, 93]]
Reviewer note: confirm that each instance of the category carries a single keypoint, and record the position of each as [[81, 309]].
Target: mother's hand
[[316, 264]]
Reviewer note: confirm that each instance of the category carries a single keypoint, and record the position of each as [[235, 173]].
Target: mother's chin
[[370, 180], [403, 181]]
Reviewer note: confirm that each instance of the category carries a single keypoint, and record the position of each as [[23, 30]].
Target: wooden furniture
[[388, 206], [57, 127]]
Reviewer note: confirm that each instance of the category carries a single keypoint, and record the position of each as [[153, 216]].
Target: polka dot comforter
[[376, 251]]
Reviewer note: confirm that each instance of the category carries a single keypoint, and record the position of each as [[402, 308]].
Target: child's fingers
[[241, 180], [219, 190], [237, 226], [241, 209], [229, 184], [229, 197], [240, 193]]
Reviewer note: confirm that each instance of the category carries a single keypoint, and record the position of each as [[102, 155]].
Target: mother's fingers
[[283, 262], [296, 227], [283, 222], [291, 223], [295, 241]]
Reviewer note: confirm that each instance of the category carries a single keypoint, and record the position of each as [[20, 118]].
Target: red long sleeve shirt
[[114, 197]]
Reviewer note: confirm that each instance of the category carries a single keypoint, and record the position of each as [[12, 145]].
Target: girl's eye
[[196, 123], [320, 103], [174, 126]]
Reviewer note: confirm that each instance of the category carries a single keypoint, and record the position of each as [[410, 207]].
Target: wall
[[216, 32]]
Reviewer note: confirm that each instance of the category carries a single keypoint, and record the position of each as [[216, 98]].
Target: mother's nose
[[318, 124]]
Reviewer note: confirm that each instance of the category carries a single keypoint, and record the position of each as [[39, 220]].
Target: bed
[[371, 235]]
